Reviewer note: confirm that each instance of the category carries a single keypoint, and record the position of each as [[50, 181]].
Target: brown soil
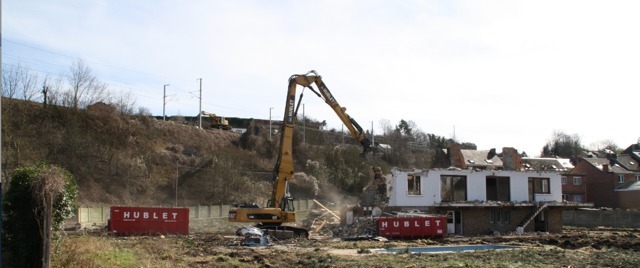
[[574, 238], [572, 248]]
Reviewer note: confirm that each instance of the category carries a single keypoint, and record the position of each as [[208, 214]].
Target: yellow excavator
[[218, 122], [280, 208]]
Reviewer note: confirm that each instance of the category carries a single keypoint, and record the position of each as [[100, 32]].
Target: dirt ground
[[570, 238], [574, 247]]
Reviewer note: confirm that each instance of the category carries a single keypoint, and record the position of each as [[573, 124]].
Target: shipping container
[[148, 221], [412, 227]]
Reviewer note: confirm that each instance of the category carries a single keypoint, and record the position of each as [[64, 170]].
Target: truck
[[280, 207]]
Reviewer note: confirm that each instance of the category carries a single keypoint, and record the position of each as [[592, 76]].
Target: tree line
[[78, 88]]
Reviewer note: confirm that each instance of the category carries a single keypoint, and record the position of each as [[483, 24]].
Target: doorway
[[454, 222], [540, 222], [532, 196]]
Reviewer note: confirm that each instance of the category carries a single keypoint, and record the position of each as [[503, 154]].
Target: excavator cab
[[286, 205]]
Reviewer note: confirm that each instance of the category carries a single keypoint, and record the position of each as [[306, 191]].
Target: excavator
[[218, 121], [280, 208]]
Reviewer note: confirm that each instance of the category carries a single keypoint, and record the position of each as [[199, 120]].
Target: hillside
[[137, 160]]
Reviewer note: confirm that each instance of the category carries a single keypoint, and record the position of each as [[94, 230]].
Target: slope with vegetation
[[127, 159], [119, 156]]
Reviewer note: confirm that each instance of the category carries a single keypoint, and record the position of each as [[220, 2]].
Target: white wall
[[476, 186]]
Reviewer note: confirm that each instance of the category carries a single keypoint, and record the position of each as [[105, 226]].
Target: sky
[[493, 73]]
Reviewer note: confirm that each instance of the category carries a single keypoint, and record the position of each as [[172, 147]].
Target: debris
[[329, 211], [253, 236], [360, 229]]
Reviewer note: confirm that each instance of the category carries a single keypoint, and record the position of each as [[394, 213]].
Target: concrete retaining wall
[[98, 216], [594, 218]]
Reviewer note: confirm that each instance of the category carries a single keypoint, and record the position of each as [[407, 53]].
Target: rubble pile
[[326, 223], [360, 228], [320, 219]]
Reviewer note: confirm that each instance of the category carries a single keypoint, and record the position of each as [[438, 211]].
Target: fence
[[594, 218], [98, 216]]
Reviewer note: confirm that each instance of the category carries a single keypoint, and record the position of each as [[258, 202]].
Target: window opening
[[453, 188], [498, 189], [500, 216], [577, 180], [540, 185], [413, 185]]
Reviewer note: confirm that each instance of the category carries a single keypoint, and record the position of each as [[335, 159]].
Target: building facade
[[482, 201], [608, 183]]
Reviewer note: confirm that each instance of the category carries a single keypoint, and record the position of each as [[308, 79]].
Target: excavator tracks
[[283, 232]]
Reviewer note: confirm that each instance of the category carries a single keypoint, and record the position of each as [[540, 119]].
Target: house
[[464, 158], [482, 201], [574, 189], [491, 193], [612, 182]]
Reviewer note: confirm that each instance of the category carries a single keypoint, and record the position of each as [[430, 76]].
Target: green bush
[[22, 212]]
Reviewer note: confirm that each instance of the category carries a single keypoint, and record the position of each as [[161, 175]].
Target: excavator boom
[[280, 206]]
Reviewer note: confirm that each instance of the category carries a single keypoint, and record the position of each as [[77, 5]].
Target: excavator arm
[[280, 206], [284, 165], [323, 92]]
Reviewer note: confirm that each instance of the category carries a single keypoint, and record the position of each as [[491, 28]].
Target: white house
[[481, 201], [418, 188]]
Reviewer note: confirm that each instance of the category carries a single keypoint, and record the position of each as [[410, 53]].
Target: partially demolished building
[[483, 192]]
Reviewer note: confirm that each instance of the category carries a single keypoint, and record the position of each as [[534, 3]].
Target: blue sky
[[501, 73]]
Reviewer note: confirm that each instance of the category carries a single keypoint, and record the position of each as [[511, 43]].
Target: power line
[[116, 81], [159, 77]]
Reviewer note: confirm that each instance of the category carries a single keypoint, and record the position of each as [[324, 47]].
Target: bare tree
[[605, 144], [29, 86], [54, 88], [19, 82], [385, 124], [48, 186], [10, 80], [144, 111], [85, 87], [51, 90], [125, 103]]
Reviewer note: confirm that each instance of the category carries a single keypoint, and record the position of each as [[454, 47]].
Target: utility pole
[[304, 128], [200, 111], [373, 137], [164, 103], [177, 175], [45, 89], [271, 108]]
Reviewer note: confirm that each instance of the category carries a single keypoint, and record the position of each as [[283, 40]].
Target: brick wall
[[572, 189], [599, 184], [476, 221], [511, 160], [455, 154], [628, 199], [554, 220], [593, 218]]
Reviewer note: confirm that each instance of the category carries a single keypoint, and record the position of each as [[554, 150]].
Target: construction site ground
[[574, 247]]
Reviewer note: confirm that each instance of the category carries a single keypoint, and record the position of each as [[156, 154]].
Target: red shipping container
[[148, 220], [414, 227], [438, 226]]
